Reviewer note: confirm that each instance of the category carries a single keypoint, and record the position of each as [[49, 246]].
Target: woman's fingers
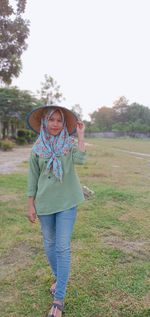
[[32, 216], [80, 125]]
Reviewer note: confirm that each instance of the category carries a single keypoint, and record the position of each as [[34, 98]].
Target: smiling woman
[[55, 122], [54, 189]]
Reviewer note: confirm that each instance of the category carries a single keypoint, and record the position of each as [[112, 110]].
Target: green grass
[[110, 244]]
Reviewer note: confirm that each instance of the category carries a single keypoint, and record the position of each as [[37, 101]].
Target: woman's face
[[55, 123]]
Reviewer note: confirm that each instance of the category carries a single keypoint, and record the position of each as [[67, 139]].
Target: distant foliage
[[50, 91], [14, 31], [6, 145], [14, 106], [25, 136], [121, 117], [77, 111]]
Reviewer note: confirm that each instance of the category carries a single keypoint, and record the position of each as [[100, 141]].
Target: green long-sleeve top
[[50, 194]]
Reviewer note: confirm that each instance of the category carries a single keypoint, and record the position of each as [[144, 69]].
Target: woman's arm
[[79, 152], [33, 177], [80, 134], [31, 209]]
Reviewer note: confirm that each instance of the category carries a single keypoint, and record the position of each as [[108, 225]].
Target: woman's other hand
[[32, 214], [31, 210]]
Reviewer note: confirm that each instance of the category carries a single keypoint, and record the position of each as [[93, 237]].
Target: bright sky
[[97, 50]]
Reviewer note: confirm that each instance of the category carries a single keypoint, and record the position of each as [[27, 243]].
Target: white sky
[[97, 50]]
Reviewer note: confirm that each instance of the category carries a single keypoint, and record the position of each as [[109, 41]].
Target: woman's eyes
[[52, 119]]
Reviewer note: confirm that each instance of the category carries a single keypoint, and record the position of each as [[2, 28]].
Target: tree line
[[15, 104], [122, 116]]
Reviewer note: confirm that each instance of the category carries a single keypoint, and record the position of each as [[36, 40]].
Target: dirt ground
[[10, 161]]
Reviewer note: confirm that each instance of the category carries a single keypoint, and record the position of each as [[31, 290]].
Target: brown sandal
[[55, 307]]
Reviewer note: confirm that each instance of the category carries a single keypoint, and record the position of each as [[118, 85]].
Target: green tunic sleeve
[[33, 175]]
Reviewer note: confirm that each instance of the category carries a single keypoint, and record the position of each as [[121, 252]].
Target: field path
[[135, 153], [10, 160]]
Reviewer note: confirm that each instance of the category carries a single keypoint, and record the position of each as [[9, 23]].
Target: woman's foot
[[56, 310], [53, 289]]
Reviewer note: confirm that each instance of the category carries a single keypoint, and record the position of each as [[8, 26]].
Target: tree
[[78, 111], [14, 106], [14, 31], [120, 107], [103, 118], [90, 127], [50, 91], [140, 113]]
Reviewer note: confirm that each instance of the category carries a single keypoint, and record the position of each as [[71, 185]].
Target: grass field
[[110, 245]]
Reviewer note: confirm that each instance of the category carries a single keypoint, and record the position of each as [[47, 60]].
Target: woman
[[54, 189]]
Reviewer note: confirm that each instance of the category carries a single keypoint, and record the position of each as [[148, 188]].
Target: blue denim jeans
[[57, 229]]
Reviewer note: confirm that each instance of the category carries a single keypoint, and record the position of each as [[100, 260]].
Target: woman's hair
[[50, 112]]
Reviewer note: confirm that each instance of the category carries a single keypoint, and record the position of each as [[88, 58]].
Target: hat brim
[[34, 118]]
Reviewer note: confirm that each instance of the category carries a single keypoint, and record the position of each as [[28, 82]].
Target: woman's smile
[[55, 123]]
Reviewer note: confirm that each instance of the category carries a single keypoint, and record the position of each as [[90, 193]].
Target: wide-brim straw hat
[[34, 118]]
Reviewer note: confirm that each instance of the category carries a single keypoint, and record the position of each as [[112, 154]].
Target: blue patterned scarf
[[52, 147]]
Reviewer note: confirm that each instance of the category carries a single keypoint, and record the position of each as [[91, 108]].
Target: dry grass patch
[[122, 299], [136, 214], [19, 257], [146, 300], [8, 197], [138, 248]]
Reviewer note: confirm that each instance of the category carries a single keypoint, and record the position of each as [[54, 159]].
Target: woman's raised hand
[[80, 129], [80, 133]]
